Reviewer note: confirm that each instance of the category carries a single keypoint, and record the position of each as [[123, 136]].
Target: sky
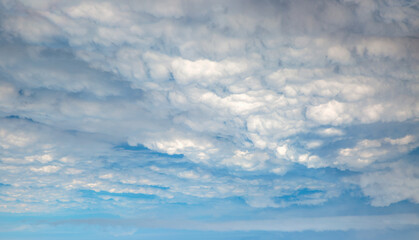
[[203, 120]]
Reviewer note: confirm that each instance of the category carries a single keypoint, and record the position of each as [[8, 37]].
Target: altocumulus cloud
[[273, 104]]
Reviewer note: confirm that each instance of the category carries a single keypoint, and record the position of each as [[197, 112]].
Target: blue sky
[[209, 119]]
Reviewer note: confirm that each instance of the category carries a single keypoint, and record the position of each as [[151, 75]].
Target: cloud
[[391, 185], [219, 100], [367, 151]]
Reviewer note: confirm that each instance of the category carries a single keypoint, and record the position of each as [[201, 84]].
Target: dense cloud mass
[[278, 103]]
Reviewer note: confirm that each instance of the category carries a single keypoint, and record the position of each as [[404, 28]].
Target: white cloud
[[10, 139], [368, 151], [381, 47], [339, 54], [401, 141], [396, 183], [46, 169], [186, 71], [238, 86], [246, 160], [330, 132], [333, 112], [33, 29]]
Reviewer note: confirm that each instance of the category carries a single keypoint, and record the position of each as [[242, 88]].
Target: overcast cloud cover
[[209, 119]]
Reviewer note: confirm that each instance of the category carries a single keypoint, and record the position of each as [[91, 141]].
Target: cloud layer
[[136, 104]]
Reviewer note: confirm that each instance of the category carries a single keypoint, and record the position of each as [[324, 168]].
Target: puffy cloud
[[368, 151], [396, 183], [339, 54], [333, 112], [219, 91]]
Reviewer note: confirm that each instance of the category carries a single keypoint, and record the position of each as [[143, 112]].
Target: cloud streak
[[338, 223]]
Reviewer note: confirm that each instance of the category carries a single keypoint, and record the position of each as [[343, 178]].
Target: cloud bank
[[134, 104]]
